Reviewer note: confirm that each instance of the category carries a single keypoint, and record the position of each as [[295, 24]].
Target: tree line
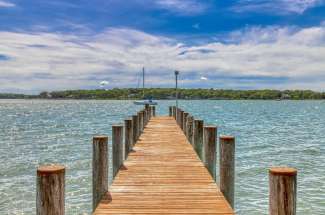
[[169, 93]]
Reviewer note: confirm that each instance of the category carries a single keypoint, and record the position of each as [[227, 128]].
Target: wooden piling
[[170, 111], [174, 112], [185, 114], [189, 129], [153, 110], [128, 137], [181, 119], [117, 146], [210, 149], [135, 126], [198, 136], [140, 124], [282, 191], [50, 190], [145, 117], [100, 168], [227, 168]]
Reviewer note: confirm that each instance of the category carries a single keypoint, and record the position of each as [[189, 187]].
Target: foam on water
[[34, 132]]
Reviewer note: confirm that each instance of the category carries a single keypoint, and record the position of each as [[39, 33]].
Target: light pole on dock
[[176, 79]]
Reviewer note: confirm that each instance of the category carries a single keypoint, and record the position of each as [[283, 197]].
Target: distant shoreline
[[169, 94]]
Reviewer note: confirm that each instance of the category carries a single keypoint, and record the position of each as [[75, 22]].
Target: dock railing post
[[145, 118], [227, 168], [198, 136], [181, 119], [50, 190], [185, 114], [100, 168], [282, 190], [174, 112], [135, 125], [128, 137], [210, 149], [153, 110], [170, 110], [189, 129], [140, 121], [117, 148]]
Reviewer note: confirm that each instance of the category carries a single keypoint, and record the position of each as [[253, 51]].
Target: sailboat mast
[[143, 82]]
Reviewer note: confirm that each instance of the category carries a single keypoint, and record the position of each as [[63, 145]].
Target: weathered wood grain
[[210, 149], [283, 191], [100, 168], [117, 148], [50, 190], [227, 167]]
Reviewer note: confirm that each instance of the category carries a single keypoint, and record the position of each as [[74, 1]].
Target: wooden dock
[[169, 170], [163, 175]]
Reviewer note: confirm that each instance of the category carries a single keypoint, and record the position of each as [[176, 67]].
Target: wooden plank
[[163, 175]]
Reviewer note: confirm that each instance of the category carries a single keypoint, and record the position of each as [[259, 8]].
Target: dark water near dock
[[34, 132]]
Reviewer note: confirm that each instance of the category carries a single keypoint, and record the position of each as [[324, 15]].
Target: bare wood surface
[[117, 146], [163, 175], [227, 167], [128, 137], [135, 128], [283, 191], [210, 149], [50, 190], [100, 168], [198, 136], [189, 128]]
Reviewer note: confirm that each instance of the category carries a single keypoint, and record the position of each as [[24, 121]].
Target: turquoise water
[[34, 132]]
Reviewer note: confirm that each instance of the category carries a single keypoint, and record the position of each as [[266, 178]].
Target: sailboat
[[144, 102]]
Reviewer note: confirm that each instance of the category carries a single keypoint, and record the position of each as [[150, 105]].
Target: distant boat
[[144, 102]]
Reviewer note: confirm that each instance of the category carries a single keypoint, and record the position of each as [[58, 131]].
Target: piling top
[[227, 137], [50, 169], [287, 171], [101, 137]]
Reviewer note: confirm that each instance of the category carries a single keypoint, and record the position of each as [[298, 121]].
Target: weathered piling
[[174, 111], [198, 136], [181, 119], [128, 137], [282, 191], [189, 129], [185, 114], [144, 120], [117, 146], [140, 123], [170, 111], [209, 149], [227, 168], [153, 110], [100, 168], [135, 127], [50, 190]]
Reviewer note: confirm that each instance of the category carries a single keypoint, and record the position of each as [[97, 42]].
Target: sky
[[238, 44]]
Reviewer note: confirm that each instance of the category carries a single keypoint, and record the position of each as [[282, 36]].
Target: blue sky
[[242, 44]]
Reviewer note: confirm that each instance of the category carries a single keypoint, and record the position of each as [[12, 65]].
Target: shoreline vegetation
[[169, 93]]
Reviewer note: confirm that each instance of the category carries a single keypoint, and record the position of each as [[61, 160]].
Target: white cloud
[[6, 4], [282, 7], [183, 7], [203, 78], [32, 62]]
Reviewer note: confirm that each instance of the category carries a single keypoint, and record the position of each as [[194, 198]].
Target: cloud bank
[[6, 4], [273, 57], [282, 7]]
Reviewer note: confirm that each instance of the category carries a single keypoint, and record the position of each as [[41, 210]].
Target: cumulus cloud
[[6, 4], [204, 78], [252, 58], [282, 7]]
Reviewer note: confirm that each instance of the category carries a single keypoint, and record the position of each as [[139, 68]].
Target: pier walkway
[[163, 175]]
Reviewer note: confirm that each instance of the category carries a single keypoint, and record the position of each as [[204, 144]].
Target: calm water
[[268, 133]]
